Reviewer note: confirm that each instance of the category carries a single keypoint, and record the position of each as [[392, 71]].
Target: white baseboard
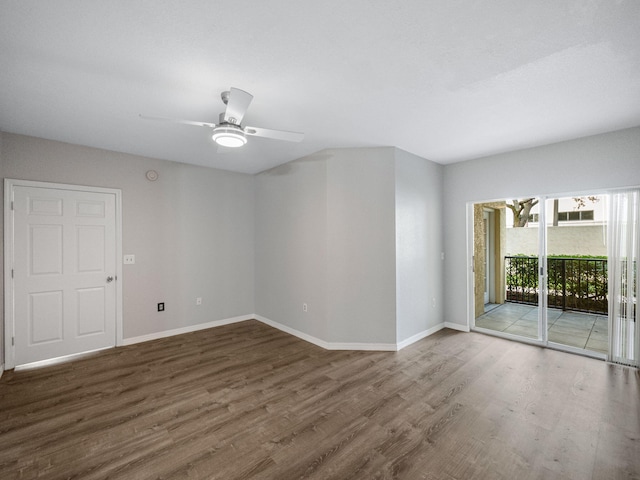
[[420, 336], [189, 329], [374, 347], [383, 347], [379, 347], [457, 326], [292, 331], [58, 360]]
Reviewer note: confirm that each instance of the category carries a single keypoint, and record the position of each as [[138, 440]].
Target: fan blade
[[274, 134], [237, 105], [177, 120]]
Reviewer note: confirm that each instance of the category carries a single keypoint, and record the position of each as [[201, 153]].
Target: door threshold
[[539, 343], [577, 351], [55, 361], [509, 336]]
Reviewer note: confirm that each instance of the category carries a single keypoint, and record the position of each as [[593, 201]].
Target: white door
[[64, 269]]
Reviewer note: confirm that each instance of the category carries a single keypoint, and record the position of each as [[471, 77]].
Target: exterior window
[[575, 216]]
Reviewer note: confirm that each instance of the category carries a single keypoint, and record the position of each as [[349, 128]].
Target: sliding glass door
[[560, 271], [577, 272]]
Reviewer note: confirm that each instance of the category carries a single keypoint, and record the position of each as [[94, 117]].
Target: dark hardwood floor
[[248, 401]]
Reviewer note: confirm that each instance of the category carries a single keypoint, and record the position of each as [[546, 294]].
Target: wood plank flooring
[[246, 401]]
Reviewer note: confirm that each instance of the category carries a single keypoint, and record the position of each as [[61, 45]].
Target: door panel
[[91, 246], [577, 285], [45, 317], [45, 253], [91, 311], [506, 242], [64, 250]]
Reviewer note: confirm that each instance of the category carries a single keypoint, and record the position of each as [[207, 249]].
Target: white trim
[[369, 347], [292, 331], [579, 351], [1, 369], [510, 336], [543, 332], [9, 320], [55, 361], [471, 284], [457, 326], [188, 329], [419, 336], [380, 347], [119, 272], [384, 347], [9, 354]]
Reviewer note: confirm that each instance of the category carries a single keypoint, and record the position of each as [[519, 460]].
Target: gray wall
[[354, 233], [357, 235], [588, 164], [192, 231], [419, 244], [324, 236], [361, 300], [291, 245]]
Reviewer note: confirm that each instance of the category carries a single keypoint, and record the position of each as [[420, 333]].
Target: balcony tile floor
[[581, 330]]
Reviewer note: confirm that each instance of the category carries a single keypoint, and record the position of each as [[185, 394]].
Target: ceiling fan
[[229, 132]]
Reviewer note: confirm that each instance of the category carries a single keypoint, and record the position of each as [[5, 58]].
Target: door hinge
[[13, 341], [12, 273], [11, 204], [541, 271]]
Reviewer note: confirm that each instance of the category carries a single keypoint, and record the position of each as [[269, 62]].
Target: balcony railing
[[577, 284]]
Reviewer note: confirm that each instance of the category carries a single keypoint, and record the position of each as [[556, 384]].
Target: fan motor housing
[[229, 135]]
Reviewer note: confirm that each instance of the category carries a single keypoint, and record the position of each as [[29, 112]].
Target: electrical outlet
[[161, 307], [198, 300], [129, 259], [304, 307]]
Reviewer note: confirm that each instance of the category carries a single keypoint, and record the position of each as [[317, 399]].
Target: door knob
[[109, 279]]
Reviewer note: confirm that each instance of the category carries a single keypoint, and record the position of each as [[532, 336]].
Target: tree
[[521, 210], [581, 201]]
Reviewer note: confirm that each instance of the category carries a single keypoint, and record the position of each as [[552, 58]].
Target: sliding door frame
[[542, 339]]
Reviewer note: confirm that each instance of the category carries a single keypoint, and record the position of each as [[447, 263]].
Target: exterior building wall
[[478, 257], [479, 248], [568, 204], [562, 240]]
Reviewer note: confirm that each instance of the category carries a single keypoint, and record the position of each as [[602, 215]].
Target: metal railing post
[[564, 284]]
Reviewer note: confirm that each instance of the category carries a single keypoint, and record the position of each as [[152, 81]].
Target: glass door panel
[[576, 234], [506, 267]]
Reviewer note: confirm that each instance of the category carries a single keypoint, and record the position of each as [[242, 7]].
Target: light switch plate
[[129, 259]]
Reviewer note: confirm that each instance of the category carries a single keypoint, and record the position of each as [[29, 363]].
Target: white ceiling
[[447, 80]]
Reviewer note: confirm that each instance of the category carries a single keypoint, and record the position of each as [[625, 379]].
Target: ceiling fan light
[[228, 136]]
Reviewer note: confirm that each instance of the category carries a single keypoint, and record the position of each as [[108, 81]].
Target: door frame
[[542, 339], [9, 317], [488, 214]]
